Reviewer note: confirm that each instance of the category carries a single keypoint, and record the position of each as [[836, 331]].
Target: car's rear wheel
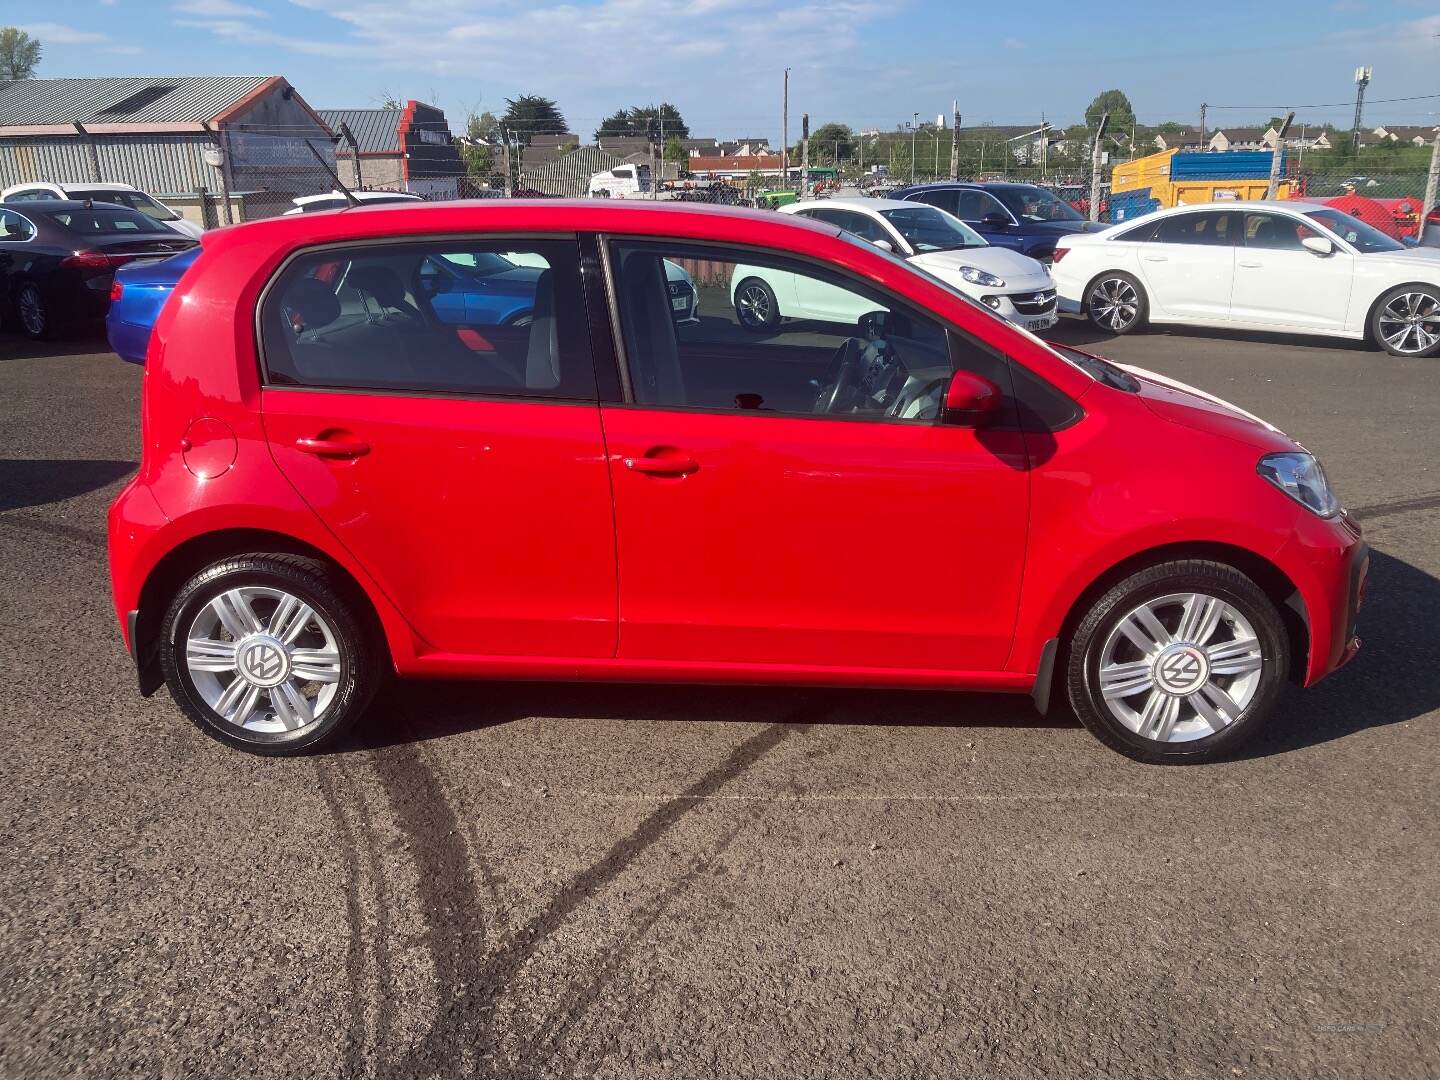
[[1181, 662], [265, 653], [1115, 302], [1406, 321], [32, 313], [755, 305]]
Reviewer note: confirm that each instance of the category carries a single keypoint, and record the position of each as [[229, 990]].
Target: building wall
[[160, 164], [268, 148]]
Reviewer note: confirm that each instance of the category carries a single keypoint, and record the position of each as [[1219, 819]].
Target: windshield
[[106, 221], [1366, 239], [135, 200], [926, 228], [1035, 204]]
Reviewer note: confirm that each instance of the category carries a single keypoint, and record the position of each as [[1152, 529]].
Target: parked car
[[57, 259], [1016, 286], [491, 287], [336, 200], [1289, 267], [330, 493], [1024, 217], [629, 181], [115, 194]]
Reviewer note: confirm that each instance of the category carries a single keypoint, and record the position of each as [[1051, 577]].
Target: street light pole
[[914, 131]]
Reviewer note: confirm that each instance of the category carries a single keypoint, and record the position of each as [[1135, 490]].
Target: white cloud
[[60, 34], [217, 9]]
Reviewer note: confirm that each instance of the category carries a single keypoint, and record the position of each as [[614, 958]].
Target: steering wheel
[[841, 374]]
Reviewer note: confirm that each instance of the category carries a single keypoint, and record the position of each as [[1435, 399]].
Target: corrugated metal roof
[[376, 130], [180, 100]]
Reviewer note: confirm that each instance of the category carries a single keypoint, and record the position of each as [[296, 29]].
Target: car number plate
[[1043, 323], [679, 303]]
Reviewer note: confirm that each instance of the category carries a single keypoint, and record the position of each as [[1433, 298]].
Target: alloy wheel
[[1410, 322], [753, 304], [263, 659], [31, 310], [1114, 303], [1180, 667]]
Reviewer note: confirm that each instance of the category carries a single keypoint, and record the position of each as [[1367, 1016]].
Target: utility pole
[[785, 134], [505, 144], [804, 153], [955, 140], [939, 127], [349, 137], [1362, 80], [1277, 154], [1095, 168], [1203, 109], [1044, 147], [654, 176], [1430, 185], [914, 131]]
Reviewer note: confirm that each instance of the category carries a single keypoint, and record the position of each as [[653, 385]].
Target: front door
[[791, 499], [1281, 283], [454, 450], [1189, 265]]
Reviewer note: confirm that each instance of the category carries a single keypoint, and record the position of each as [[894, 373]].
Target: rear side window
[[105, 221], [947, 199], [503, 318], [1206, 228]]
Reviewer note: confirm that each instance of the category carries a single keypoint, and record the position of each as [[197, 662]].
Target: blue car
[[462, 290], [1023, 217]]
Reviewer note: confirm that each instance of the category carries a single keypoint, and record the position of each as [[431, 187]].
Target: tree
[[19, 53], [1114, 102], [675, 150], [644, 122], [832, 142], [530, 114]]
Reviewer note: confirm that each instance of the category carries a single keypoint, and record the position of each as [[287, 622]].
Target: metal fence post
[[1095, 167], [505, 143], [955, 142], [1430, 184], [1277, 154], [804, 154]]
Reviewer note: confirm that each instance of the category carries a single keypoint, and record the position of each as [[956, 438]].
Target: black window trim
[[263, 367]]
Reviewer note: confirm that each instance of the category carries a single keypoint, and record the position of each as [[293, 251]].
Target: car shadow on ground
[[1395, 678], [15, 346], [36, 482], [1082, 335]]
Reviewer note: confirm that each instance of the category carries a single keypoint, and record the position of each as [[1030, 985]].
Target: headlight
[[975, 276], [1302, 478]]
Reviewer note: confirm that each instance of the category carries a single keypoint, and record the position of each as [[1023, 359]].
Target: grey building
[[163, 134]]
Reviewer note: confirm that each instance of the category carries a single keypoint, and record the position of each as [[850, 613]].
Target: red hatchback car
[[352, 466]]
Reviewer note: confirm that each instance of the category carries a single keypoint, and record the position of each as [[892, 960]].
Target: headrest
[[380, 282], [313, 302]]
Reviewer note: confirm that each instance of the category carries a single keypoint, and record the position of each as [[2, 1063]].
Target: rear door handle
[[1157, 258], [667, 465], [1251, 265], [332, 448]]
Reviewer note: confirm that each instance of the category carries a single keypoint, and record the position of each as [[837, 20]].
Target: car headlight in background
[[1302, 478], [975, 276]]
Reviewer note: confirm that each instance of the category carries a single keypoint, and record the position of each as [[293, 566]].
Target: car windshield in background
[[106, 221], [135, 200], [479, 263], [927, 229], [1035, 204], [1364, 238]]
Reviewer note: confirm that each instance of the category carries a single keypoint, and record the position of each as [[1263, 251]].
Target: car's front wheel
[[1115, 303], [755, 305], [266, 653], [1406, 321], [1181, 662]]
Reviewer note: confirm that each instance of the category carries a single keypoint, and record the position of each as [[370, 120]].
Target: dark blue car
[[1023, 217]]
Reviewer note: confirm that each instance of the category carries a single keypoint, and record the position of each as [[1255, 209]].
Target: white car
[[1292, 267], [116, 194], [1014, 285], [335, 200], [629, 181]]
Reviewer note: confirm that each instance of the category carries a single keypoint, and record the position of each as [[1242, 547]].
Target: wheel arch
[[187, 558], [1273, 581], [1112, 269]]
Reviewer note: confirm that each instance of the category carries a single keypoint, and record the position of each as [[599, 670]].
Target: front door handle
[[1251, 265], [1157, 258], [332, 448], [673, 464]]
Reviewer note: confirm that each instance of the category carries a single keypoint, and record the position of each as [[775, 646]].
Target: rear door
[[1189, 264], [458, 456], [1280, 282]]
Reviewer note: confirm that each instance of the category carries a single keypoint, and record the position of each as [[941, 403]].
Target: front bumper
[[1329, 562], [1032, 309]]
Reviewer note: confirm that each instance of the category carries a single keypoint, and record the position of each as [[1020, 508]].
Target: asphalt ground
[[570, 881]]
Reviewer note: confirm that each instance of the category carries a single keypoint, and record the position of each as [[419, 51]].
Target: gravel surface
[[547, 880]]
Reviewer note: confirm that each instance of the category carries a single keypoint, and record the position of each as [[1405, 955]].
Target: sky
[[869, 63]]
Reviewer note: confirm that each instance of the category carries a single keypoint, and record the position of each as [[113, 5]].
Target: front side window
[[1207, 228], [976, 205], [926, 228], [862, 225], [947, 199], [503, 318], [1276, 232], [1364, 238], [776, 336], [1036, 204]]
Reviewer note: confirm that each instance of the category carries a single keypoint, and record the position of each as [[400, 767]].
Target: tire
[[1178, 709], [1406, 321], [756, 306], [32, 314], [333, 642], [1115, 303]]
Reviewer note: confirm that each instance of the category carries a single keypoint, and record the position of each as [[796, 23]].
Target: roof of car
[[66, 185], [856, 202], [59, 204]]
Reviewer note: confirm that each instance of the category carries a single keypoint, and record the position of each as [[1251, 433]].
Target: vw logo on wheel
[[1181, 670], [264, 663]]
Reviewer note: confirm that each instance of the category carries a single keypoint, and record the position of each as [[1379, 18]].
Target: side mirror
[[995, 218], [1320, 245], [970, 400], [884, 245]]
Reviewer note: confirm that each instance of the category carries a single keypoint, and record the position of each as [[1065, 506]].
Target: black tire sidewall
[[774, 319], [1213, 579], [357, 664], [1142, 307], [1390, 294]]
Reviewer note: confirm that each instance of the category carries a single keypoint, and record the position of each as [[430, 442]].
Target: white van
[[621, 182]]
